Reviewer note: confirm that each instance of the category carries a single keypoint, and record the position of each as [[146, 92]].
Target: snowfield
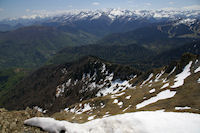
[[138, 122], [179, 81], [160, 96]]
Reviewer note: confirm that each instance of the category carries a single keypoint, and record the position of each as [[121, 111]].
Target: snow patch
[[91, 117], [172, 70], [103, 68], [152, 90], [198, 81], [150, 76], [79, 110], [115, 101], [197, 70], [120, 103], [127, 108], [159, 75], [117, 95], [160, 96], [39, 109], [115, 86], [182, 108], [61, 88], [196, 61], [164, 86], [179, 81], [128, 97], [138, 122]]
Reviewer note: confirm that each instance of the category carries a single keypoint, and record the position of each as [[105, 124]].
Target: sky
[[18, 8]]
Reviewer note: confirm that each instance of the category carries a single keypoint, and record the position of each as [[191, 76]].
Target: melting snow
[[120, 103], [150, 85], [197, 70], [182, 108], [91, 117], [128, 97], [198, 81], [179, 81], [39, 109], [115, 101], [64, 71], [106, 116], [86, 107], [80, 110], [160, 96], [138, 122], [172, 70], [61, 88], [127, 108], [117, 95], [152, 90], [164, 86], [159, 75], [103, 68], [115, 87], [164, 80], [150, 76]]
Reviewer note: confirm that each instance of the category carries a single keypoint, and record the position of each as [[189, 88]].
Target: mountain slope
[[55, 87], [93, 85], [171, 88]]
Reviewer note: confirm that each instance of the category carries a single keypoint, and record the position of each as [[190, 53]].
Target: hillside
[[9, 78], [92, 77], [102, 89], [54, 87], [171, 88]]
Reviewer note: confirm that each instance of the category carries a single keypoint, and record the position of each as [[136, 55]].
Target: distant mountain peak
[[112, 14]]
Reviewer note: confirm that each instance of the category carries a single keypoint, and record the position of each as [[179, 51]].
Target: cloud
[[1, 9], [28, 10], [192, 7], [70, 6], [171, 2], [147, 4], [130, 1], [95, 3]]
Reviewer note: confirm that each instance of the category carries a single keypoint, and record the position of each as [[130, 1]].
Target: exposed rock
[[13, 121]]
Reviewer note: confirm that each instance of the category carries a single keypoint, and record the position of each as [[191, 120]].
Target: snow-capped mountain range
[[128, 15], [108, 14]]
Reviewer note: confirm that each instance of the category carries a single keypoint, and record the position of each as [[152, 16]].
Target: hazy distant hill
[[32, 46]]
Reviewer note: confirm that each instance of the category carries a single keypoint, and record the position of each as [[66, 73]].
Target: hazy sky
[[16, 8]]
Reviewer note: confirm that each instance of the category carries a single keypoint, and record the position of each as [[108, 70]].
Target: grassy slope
[[8, 79], [186, 95]]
